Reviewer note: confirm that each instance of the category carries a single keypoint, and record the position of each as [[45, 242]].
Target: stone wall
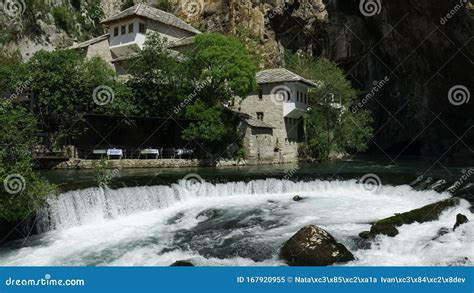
[[130, 164], [100, 49], [256, 141]]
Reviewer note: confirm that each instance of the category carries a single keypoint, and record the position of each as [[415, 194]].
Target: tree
[[223, 69], [67, 86], [330, 125], [10, 63], [23, 190], [224, 63], [164, 5], [157, 80], [127, 4]]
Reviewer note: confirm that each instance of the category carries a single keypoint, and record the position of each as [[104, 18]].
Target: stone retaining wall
[[131, 164]]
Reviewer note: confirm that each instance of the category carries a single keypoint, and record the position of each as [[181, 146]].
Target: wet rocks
[[388, 229], [297, 198], [313, 246], [182, 263], [209, 214], [424, 184], [460, 219], [442, 231], [427, 213]]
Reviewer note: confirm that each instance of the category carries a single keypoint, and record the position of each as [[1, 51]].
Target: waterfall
[[94, 205]]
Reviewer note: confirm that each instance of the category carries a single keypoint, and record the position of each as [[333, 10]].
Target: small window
[[123, 30], [116, 31], [130, 28], [288, 96], [260, 94], [142, 28], [260, 116]]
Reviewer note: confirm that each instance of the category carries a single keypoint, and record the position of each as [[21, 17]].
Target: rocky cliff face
[[423, 48]]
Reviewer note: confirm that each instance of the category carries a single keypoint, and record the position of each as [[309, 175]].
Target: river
[[241, 216]]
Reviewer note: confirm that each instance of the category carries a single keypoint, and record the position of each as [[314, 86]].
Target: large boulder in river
[[313, 246]]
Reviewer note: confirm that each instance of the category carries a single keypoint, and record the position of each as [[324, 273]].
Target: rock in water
[[182, 263], [384, 229], [313, 246], [460, 219], [424, 214], [297, 198]]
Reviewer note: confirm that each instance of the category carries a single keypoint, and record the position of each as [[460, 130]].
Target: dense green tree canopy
[[67, 85], [330, 124], [22, 191], [157, 79], [223, 68], [225, 63]]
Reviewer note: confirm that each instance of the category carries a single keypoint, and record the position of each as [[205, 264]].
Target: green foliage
[[157, 79], [23, 190], [10, 64], [331, 79], [100, 172], [330, 125], [127, 4], [254, 45], [64, 84], [215, 128], [223, 68], [64, 18], [225, 62], [164, 5]]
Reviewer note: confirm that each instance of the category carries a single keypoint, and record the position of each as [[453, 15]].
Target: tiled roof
[[256, 123], [155, 14], [90, 42], [280, 75], [181, 42]]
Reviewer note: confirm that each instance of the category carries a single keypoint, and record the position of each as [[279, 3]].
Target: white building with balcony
[[128, 30]]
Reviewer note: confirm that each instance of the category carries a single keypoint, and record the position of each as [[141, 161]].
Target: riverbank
[[79, 164]]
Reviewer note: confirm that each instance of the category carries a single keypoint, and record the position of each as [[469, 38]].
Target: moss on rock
[[427, 213]]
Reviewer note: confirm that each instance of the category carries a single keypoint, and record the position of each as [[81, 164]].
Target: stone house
[[272, 117]]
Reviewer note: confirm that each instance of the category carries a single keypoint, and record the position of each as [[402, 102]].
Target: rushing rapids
[[235, 223]]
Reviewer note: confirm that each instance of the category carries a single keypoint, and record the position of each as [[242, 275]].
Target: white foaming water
[[234, 224]]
